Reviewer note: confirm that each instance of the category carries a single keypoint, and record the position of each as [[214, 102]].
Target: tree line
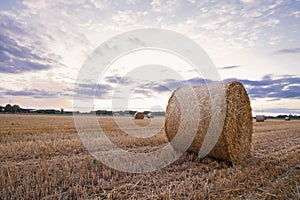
[[11, 109], [283, 116], [17, 109]]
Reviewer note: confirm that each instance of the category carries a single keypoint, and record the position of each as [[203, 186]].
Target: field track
[[42, 157]]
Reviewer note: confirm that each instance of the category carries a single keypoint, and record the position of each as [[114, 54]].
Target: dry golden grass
[[42, 157]]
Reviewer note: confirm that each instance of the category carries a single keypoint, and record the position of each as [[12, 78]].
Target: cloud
[[295, 14], [118, 79], [229, 67], [81, 91], [276, 99], [268, 87], [272, 87], [280, 110], [91, 90], [231, 22], [98, 4], [247, 1], [16, 54], [34, 93], [288, 51], [164, 6], [168, 85], [19, 66]]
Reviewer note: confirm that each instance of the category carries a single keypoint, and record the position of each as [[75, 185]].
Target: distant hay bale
[[139, 115], [234, 143], [260, 118], [150, 115]]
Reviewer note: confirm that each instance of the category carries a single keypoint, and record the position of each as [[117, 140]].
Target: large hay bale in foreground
[[139, 115], [234, 143]]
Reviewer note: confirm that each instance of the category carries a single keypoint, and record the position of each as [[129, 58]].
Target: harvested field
[[42, 157]]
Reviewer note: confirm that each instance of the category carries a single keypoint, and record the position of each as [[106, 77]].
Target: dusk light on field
[[150, 99]]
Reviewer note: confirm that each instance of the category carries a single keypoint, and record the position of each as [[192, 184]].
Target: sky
[[43, 46]]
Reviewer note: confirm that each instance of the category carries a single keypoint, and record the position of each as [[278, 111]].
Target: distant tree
[[281, 116], [8, 108], [16, 109], [48, 111]]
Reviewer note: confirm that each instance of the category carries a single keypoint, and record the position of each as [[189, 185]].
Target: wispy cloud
[[33, 93], [288, 51], [229, 67], [102, 91], [168, 85], [91, 90], [16, 54], [280, 110], [118, 79], [268, 87]]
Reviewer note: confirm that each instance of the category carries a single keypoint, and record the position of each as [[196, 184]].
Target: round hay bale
[[260, 118], [150, 115], [234, 143], [139, 115]]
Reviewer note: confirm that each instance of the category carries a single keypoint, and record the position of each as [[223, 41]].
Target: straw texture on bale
[[139, 115], [234, 143]]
